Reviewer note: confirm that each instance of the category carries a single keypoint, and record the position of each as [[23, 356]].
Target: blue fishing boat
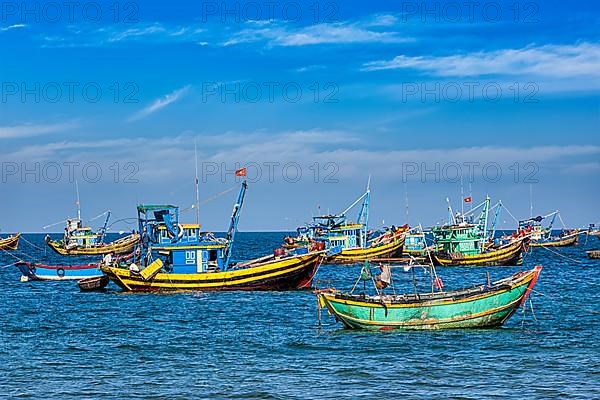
[[42, 272]]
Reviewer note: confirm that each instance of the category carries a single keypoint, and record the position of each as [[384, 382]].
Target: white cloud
[[159, 104], [16, 26], [322, 33], [28, 130], [555, 61]]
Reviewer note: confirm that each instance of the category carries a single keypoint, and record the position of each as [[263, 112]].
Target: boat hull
[[594, 254], [353, 256], [288, 273], [567, 241], [122, 246], [511, 254], [10, 243], [41, 272], [452, 310]]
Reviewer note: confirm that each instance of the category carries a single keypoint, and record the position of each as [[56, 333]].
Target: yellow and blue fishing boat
[[174, 256], [80, 240], [357, 244], [482, 306], [542, 236], [10, 243]]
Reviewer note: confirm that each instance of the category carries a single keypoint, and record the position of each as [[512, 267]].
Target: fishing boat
[[594, 254], [94, 284], [10, 243], [80, 240], [565, 239], [415, 243], [354, 240], [173, 259], [83, 242], [42, 272], [466, 242], [541, 236], [484, 306]]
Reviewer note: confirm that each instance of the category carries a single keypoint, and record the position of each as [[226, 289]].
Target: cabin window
[[212, 255]]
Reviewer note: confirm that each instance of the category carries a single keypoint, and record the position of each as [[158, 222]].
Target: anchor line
[[562, 255], [33, 245]]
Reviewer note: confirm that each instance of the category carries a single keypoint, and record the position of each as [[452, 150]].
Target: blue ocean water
[[60, 343]]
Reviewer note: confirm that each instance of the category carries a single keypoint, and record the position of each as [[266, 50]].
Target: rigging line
[[98, 216], [509, 213], [562, 222]]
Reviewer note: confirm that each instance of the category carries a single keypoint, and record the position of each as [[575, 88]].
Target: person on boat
[[107, 260], [145, 237], [134, 268]]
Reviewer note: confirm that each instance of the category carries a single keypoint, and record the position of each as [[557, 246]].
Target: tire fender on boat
[[60, 272]]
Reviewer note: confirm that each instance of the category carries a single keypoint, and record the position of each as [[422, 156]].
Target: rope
[[7, 265], [563, 300], [562, 255], [509, 213], [33, 245]]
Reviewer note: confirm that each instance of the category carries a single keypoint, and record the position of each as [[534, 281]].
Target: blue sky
[[348, 89]]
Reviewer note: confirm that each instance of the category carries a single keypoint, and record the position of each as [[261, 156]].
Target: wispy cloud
[[555, 61], [28, 130], [280, 34], [16, 26], [159, 104]]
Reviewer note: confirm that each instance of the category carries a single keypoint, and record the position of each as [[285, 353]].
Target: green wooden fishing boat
[[483, 306], [466, 242]]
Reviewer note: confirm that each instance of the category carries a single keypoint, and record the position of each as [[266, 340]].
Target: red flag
[[240, 172], [468, 199]]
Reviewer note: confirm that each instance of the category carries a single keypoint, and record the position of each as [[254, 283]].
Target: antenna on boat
[[406, 200], [197, 190], [78, 203], [462, 196], [530, 201]]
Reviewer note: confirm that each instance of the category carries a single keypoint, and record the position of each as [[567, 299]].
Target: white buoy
[[24, 278]]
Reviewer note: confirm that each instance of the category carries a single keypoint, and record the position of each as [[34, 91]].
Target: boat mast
[[496, 217], [363, 215], [197, 190], [235, 217], [78, 204]]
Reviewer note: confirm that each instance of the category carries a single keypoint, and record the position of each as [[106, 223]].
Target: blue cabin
[[186, 248]]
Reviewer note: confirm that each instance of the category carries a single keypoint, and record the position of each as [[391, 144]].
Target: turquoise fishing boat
[[483, 306], [415, 243], [464, 241]]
